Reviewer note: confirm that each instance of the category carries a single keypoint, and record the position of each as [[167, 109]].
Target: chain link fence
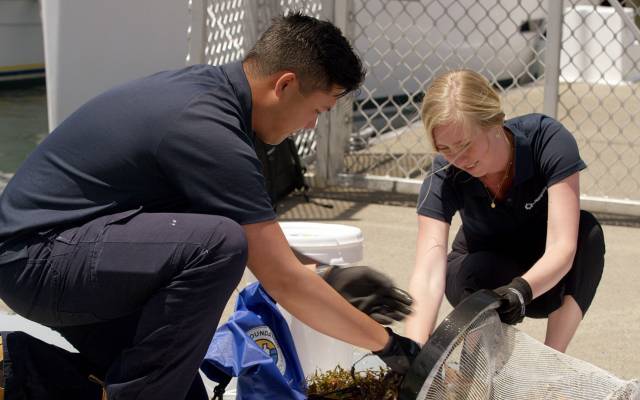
[[406, 43], [575, 60], [599, 97], [591, 85]]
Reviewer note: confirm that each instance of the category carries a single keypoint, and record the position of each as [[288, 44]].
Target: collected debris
[[341, 384]]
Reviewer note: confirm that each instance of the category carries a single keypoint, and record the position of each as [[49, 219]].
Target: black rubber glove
[[399, 352], [371, 292], [515, 297]]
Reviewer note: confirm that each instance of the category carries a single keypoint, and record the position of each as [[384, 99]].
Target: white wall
[[92, 45], [20, 36]]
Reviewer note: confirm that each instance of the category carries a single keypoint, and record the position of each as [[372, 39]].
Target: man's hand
[[515, 297], [398, 353], [371, 292]]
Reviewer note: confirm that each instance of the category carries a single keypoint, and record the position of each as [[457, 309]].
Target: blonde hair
[[461, 96]]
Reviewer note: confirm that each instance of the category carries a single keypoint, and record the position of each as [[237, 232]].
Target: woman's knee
[[471, 272], [590, 233], [464, 274], [584, 277]]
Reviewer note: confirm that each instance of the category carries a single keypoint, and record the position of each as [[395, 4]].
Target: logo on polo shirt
[[266, 340], [529, 206]]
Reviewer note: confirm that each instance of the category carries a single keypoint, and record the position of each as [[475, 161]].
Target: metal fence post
[[552, 58], [630, 23], [196, 32], [334, 129]]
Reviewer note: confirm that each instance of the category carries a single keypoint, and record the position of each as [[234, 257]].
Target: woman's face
[[470, 152]]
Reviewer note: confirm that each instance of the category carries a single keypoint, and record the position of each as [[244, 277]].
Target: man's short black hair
[[316, 51]]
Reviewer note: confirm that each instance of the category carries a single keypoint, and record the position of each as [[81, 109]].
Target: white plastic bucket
[[14, 322], [330, 244], [327, 243]]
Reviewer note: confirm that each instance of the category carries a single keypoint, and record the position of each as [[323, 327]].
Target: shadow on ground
[[337, 203], [342, 203]]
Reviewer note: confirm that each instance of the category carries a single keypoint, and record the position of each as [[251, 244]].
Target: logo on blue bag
[[266, 340]]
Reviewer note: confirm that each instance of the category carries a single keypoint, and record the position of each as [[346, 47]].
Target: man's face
[[292, 111]]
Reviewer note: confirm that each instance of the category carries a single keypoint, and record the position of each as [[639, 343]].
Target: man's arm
[[303, 293]]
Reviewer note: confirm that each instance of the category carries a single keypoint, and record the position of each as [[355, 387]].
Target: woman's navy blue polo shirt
[[545, 153]]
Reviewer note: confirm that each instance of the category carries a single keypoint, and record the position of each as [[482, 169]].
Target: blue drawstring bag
[[255, 345]]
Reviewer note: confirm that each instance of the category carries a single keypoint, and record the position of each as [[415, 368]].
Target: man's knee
[[233, 243], [223, 244]]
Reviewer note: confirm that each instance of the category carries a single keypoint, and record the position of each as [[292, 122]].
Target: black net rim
[[444, 337]]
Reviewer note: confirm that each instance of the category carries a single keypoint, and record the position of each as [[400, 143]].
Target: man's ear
[[286, 81]]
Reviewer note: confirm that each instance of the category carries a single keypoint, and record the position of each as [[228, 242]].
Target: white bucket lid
[[313, 234], [327, 243]]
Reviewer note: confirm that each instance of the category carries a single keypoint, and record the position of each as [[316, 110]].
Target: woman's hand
[[514, 299]]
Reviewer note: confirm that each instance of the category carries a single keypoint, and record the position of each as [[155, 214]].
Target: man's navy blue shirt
[[545, 153], [178, 141]]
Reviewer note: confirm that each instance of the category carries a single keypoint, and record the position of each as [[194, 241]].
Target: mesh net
[[496, 361]]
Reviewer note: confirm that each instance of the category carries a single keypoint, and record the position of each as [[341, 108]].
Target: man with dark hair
[[129, 226], [315, 50]]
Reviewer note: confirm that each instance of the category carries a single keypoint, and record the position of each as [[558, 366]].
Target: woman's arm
[[428, 279], [562, 236]]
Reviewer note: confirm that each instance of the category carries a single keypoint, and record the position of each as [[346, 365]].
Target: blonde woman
[[515, 184]]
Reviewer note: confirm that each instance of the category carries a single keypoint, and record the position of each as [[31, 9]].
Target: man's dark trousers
[[138, 294]]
